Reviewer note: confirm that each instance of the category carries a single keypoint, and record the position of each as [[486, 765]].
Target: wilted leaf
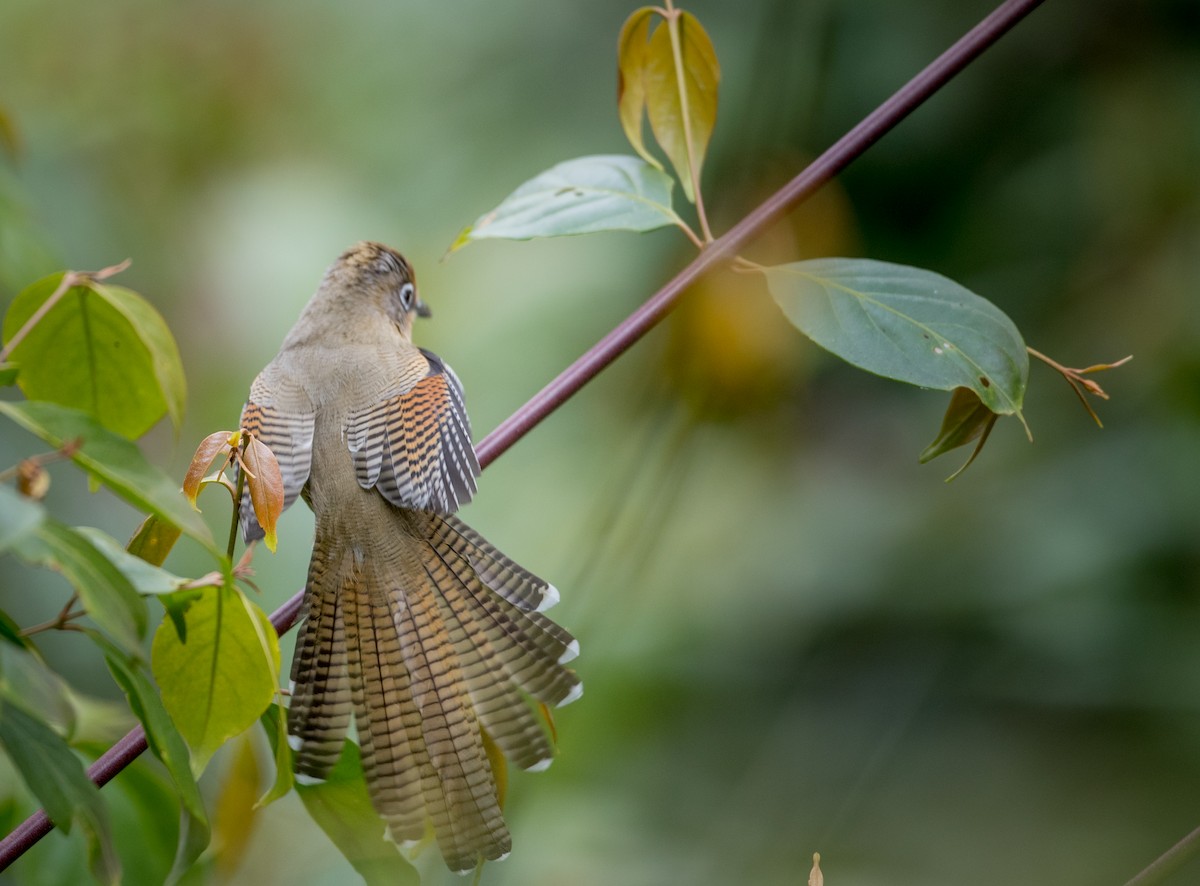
[[664, 105], [631, 72], [57, 778], [608, 192], [114, 460], [217, 684], [210, 446], [103, 349], [341, 806], [908, 324], [265, 483], [106, 594], [965, 420]]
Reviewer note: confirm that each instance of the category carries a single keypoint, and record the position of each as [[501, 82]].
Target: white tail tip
[[576, 692], [549, 598], [570, 653], [540, 765]]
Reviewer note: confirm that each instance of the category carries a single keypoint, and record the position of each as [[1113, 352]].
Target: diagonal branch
[[850, 146]]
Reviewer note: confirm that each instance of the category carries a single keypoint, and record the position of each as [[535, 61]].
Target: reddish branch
[[873, 127]]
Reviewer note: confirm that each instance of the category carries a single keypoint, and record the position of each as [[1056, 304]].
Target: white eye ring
[[407, 295]]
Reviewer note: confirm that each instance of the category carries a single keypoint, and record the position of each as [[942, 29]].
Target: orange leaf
[[206, 452], [266, 486]]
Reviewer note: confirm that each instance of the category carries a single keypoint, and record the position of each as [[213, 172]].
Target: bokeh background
[[795, 638]]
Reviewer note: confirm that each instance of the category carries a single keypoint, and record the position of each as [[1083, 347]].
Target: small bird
[[414, 624]]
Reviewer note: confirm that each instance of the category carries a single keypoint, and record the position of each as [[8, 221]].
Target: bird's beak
[[423, 309]]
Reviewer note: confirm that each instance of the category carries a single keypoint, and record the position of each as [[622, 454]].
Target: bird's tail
[[428, 640]]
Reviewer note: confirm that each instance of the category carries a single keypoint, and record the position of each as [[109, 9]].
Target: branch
[[850, 146]]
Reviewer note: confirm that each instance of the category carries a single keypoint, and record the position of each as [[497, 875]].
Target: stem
[[941, 71], [1167, 863], [237, 507]]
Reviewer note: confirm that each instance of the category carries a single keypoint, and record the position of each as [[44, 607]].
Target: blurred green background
[[795, 638]]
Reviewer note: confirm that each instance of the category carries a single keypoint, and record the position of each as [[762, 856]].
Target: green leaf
[[908, 324], [27, 682], [106, 594], [10, 632], [274, 723], [609, 192], [165, 743], [103, 349], [57, 778], [342, 808], [9, 372], [19, 516], [153, 540], [217, 684], [146, 578], [115, 461], [631, 73], [701, 76]]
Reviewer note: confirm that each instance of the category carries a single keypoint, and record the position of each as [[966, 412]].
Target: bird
[[414, 625]]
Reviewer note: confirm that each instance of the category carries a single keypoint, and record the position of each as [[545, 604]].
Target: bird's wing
[[279, 414], [414, 445]]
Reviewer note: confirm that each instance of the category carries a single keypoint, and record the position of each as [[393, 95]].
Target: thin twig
[[1170, 861], [834, 160], [69, 280]]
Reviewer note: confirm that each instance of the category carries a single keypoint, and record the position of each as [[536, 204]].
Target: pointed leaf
[[106, 594], [123, 366], [115, 461], [210, 446], [265, 482], [217, 684], [146, 578], [342, 808], [57, 778], [607, 192], [908, 324], [631, 72], [10, 632], [665, 102]]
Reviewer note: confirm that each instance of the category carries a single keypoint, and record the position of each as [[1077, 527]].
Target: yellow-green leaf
[[631, 73], [103, 349], [681, 102], [221, 680], [153, 540]]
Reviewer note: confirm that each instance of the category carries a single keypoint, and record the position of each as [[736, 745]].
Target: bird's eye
[[408, 295]]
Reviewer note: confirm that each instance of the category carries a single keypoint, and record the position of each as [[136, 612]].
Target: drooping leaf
[[115, 461], [103, 349], [153, 540], [631, 73], [908, 324], [265, 483], [168, 746], [966, 419], [18, 517], [342, 808], [607, 192], [274, 723], [57, 778], [665, 101], [221, 680], [106, 594]]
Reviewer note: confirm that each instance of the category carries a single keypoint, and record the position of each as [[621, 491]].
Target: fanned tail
[[441, 641]]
